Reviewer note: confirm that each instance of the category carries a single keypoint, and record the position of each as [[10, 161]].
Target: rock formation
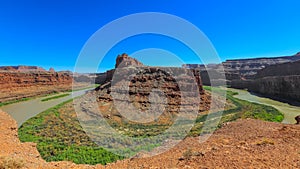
[[22, 69], [27, 81], [240, 68], [297, 118], [134, 87], [280, 81], [51, 70], [246, 68], [125, 61]]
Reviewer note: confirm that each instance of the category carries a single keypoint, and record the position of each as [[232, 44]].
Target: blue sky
[[52, 33]]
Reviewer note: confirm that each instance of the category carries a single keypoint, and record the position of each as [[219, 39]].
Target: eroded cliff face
[[280, 87], [20, 79], [16, 85], [137, 87], [281, 81], [249, 67], [239, 68], [286, 69]]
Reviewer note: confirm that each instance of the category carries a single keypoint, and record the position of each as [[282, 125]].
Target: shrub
[[187, 154]]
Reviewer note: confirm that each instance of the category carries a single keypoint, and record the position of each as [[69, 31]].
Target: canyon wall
[[247, 68], [291, 68], [16, 84], [240, 68], [21, 68], [20, 79], [281, 81]]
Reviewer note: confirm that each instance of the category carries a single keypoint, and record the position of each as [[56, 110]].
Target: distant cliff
[[249, 67], [281, 81], [292, 68], [17, 82], [240, 68], [22, 69]]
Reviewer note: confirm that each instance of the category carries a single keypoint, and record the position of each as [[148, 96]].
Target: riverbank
[[41, 91], [59, 134], [289, 111], [24, 110], [240, 144]]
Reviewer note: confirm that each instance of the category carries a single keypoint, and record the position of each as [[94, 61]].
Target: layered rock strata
[[238, 69], [281, 81], [15, 85]]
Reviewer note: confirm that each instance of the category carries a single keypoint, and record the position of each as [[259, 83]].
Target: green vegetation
[[59, 135], [46, 95], [89, 87], [55, 97], [243, 109], [78, 154], [61, 138], [14, 101], [187, 154], [25, 99]]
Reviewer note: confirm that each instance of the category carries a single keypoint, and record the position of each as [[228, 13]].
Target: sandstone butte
[[174, 83]]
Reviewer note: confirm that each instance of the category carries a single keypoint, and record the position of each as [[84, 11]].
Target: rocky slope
[[241, 144], [14, 154]]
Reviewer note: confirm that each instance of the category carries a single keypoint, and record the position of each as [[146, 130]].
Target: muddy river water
[[23, 111], [289, 111]]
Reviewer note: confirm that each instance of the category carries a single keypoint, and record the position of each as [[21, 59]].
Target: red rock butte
[[124, 61]]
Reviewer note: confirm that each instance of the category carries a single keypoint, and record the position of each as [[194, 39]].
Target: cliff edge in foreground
[[240, 144]]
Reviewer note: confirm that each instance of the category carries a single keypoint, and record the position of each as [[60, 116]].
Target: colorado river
[[289, 111], [23, 111]]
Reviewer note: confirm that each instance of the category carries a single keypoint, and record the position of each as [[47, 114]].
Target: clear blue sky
[[52, 33]]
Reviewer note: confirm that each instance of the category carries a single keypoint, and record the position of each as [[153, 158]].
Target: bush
[[187, 154]]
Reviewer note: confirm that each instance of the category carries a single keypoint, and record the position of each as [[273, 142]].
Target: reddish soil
[[241, 144]]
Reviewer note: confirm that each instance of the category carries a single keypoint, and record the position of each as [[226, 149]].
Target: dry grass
[[11, 163], [265, 141]]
